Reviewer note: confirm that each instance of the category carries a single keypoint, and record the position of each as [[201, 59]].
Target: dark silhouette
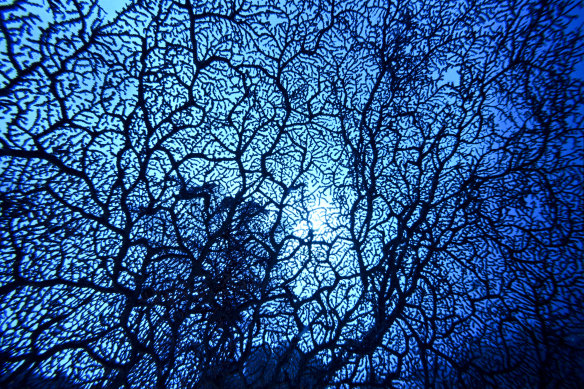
[[291, 194]]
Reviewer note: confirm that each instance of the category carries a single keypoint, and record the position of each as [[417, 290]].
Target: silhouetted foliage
[[287, 194]]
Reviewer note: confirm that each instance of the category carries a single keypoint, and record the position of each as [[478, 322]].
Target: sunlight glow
[[322, 219]]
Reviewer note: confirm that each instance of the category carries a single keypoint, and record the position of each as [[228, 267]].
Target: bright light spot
[[321, 219], [317, 220], [319, 216]]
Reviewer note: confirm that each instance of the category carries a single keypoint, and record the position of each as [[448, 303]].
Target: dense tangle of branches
[[264, 193]]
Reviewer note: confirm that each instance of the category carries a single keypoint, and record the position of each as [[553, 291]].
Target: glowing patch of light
[[321, 219], [318, 222]]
